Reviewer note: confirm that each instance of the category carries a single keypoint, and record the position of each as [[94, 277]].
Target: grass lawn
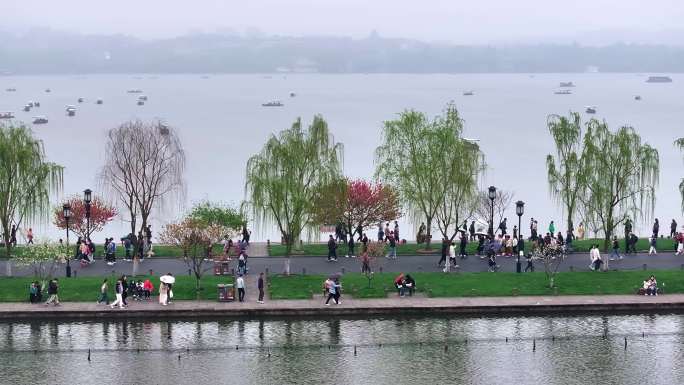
[[480, 284], [321, 249], [87, 289]]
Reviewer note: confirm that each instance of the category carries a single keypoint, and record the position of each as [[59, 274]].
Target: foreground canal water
[[515, 350]]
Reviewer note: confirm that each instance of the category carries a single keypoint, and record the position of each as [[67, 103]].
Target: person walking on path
[[471, 230], [103, 293], [396, 230], [656, 228], [392, 248], [628, 234], [260, 286], [240, 284], [503, 226], [29, 236], [580, 231], [365, 263], [445, 251], [350, 248], [332, 247], [163, 293], [13, 236], [462, 246], [680, 244], [119, 290], [595, 256], [331, 288], [53, 292], [653, 241], [673, 229], [552, 228], [615, 254]]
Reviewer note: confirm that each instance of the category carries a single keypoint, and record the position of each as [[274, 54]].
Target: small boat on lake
[[141, 102], [99, 101], [135, 91], [6, 115], [142, 97], [638, 97], [71, 111], [292, 94], [659, 79], [590, 110], [563, 92], [11, 90], [80, 100], [30, 104], [36, 104], [47, 90], [275, 103], [566, 84], [40, 120], [27, 108], [468, 93]]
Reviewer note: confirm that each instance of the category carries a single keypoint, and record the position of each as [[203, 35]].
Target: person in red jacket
[[148, 288]]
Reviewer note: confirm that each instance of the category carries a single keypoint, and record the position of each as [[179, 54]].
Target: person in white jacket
[[452, 258], [595, 256]]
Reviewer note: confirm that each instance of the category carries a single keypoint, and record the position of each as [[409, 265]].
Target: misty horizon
[[486, 22]]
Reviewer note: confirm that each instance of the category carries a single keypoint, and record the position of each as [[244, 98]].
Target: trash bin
[[222, 268], [226, 292]]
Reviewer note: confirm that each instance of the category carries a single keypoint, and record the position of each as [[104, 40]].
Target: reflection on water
[[540, 350]]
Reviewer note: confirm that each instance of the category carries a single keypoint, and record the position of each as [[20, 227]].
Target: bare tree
[[144, 168], [501, 203]]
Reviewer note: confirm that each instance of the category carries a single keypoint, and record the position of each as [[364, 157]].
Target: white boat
[[590, 109], [275, 103], [39, 120], [71, 110], [468, 93], [27, 108], [6, 115]]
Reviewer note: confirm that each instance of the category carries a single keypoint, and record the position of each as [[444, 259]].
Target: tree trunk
[[286, 269], [8, 266], [198, 285], [136, 265], [428, 242]]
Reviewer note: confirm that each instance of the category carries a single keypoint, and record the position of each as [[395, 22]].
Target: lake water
[[540, 350], [222, 123]]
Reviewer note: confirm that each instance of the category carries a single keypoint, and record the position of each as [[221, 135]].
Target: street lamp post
[[66, 211], [87, 198], [519, 210], [492, 196]]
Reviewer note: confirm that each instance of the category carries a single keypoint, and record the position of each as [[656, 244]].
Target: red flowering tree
[[356, 204], [101, 213]]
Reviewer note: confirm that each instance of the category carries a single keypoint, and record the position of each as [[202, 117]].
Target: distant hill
[[50, 52]]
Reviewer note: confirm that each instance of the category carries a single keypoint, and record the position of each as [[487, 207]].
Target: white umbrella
[[167, 279]]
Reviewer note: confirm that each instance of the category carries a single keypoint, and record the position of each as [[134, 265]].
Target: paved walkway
[[365, 307], [320, 265]]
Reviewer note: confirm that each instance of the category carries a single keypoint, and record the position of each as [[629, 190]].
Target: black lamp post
[[87, 198], [519, 210], [492, 196], [66, 211]]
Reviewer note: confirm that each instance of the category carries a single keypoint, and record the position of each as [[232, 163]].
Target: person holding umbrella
[[167, 280]]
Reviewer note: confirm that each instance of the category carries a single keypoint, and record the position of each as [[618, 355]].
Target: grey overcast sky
[[470, 22]]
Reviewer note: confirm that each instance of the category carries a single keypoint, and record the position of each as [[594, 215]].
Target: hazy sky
[[473, 21]]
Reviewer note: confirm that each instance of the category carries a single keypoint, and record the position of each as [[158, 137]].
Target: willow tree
[[621, 178], [412, 158], [566, 171], [282, 180], [680, 143], [460, 169], [27, 180], [144, 168]]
